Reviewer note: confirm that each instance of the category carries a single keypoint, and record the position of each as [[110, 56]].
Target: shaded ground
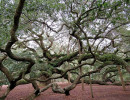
[[101, 92]]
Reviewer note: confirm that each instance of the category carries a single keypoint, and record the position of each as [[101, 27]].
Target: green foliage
[[112, 57], [6, 16], [22, 81], [107, 57], [73, 14], [84, 57]]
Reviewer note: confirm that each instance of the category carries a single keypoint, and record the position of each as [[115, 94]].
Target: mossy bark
[[107, 57], [60, 61]]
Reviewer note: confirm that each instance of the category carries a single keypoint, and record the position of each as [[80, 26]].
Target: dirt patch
[[101, 92]]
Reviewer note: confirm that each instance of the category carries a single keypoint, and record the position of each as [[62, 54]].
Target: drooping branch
[[107, 57], [117, 60], [7, 74], [14, 39], [11, 42], [104, 78], [5, 70]]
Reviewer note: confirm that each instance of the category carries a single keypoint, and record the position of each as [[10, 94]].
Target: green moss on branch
[[60, 61]]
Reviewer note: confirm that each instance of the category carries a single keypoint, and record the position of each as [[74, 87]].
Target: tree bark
[[121, 78], [91, 86]]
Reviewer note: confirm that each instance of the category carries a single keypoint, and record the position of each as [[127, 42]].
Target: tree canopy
[[47, 37]]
